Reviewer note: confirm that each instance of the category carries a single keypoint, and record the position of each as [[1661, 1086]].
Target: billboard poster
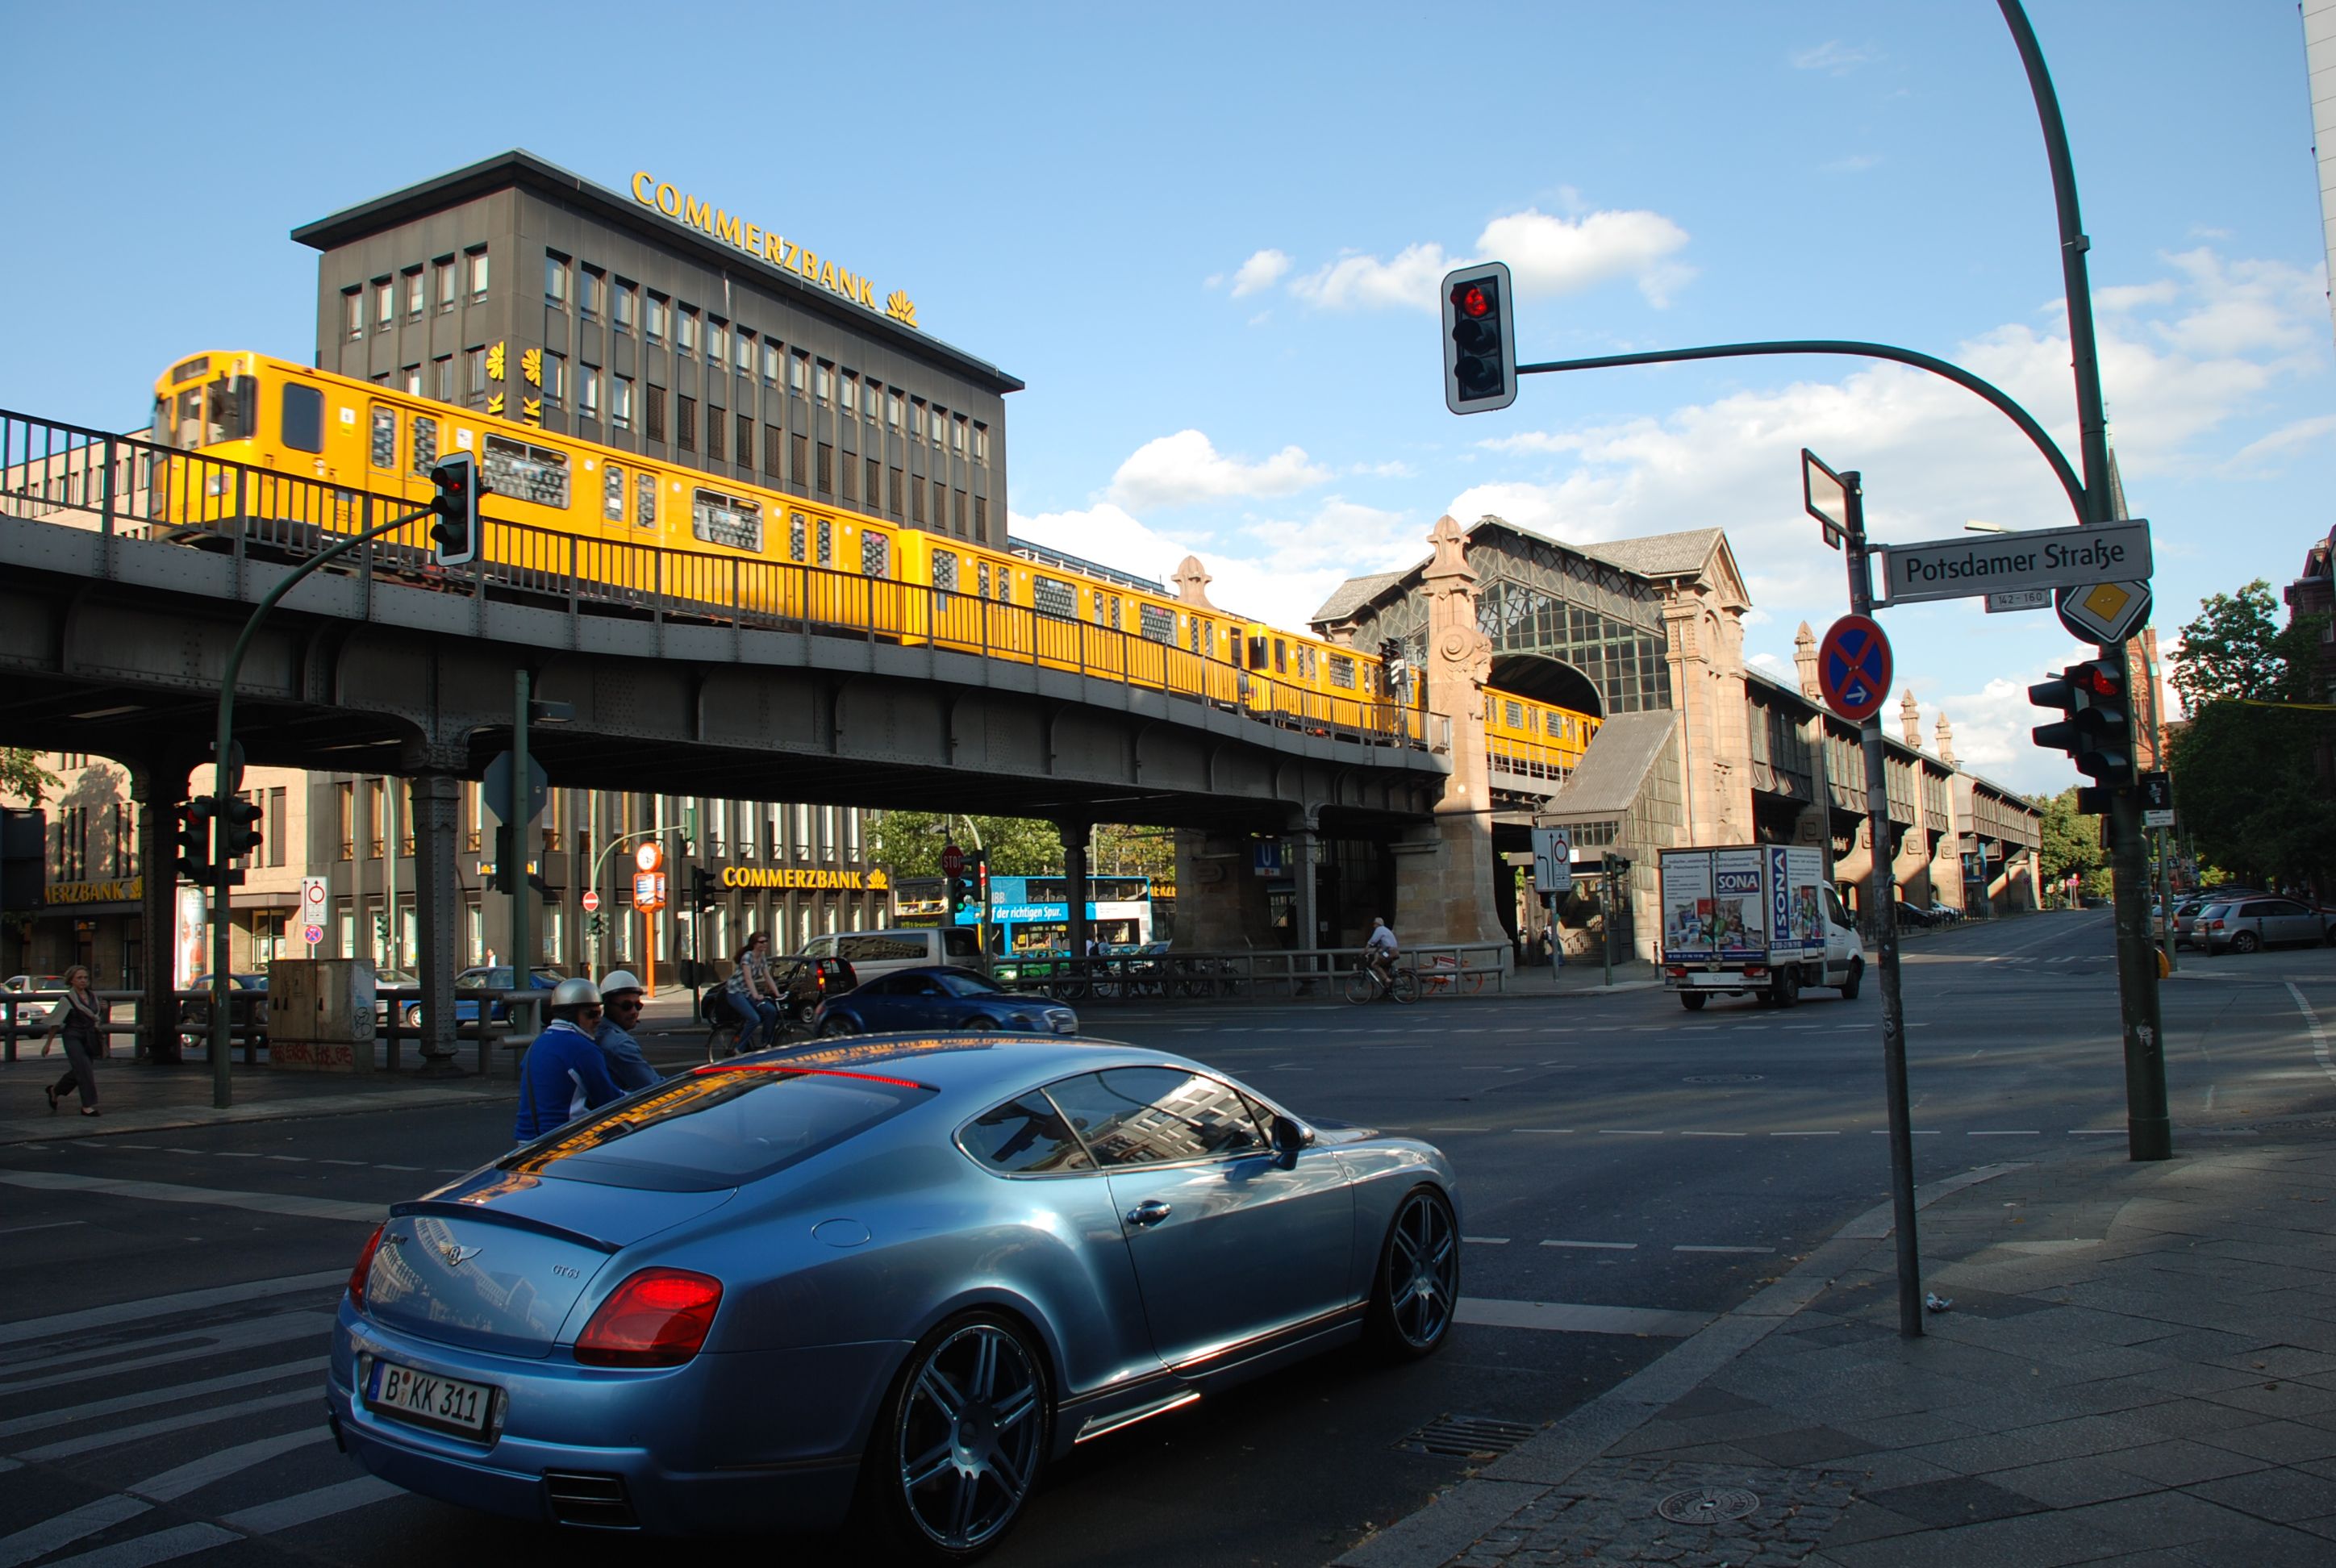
[[1793, 883], [186, 960], [1688, 923], [1740, 905]]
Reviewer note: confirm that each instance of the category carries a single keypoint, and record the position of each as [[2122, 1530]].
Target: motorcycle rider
[[564, 1073], [620, 998]]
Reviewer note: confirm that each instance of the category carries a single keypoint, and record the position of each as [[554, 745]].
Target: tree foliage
[[23, 776], [2236, 650], [2070, 843], [910, 843]]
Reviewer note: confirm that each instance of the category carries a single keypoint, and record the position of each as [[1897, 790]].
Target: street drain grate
[[1466, 1437], [1725, 1078], [1707, 1505]]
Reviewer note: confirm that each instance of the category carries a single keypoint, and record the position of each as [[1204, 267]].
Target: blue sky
[[1207, 238]]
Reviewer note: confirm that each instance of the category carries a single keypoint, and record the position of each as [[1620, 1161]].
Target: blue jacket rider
[[621, 996], [564, 1074]]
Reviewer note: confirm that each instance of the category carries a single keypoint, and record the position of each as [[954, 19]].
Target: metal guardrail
[[25, 1016], [137, 489], [1445, 970]]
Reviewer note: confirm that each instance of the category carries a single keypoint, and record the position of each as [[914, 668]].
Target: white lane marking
[[1598, 1246], [1630, 1131], [398, 1167], [175, 1305], [173, 1192], [149, 1147], [165, 1425], [40, 1540], [307, 1507], [2002, 1133], [184, 1541], [73, 1415], [1826, 1132], [138, 1497], [1689, 1249], [1541, 1129], [2319, 1035], [238, 1334], [324, 1162], [1692, 1134], [1917, 1132], [45, 1225], [1487, 1241], [1567, 1317], [2096, 1132]]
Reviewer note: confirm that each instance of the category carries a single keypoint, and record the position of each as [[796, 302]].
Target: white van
[[873, 953]]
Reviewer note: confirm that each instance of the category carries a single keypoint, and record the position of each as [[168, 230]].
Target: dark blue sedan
[[944, 997]]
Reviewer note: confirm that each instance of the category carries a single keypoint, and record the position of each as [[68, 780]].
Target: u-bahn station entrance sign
[[2050, 558]]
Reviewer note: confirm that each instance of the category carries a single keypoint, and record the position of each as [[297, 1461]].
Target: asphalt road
[[1629, 1169]]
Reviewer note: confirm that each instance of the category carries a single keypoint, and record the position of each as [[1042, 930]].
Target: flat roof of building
[[525, 170]]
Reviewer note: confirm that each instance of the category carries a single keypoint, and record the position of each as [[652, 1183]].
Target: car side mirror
[[1289, 1137]]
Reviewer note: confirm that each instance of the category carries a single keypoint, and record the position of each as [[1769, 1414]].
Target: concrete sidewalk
[[2138, 1368]]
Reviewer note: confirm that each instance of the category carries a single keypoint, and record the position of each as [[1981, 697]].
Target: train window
[[531, 473], [944, 571], [1280, 656], [1095, 603], [795, 537], [875, 555], [825, 537], [1342, 672], [1512, 713], [1156, 624], [194, 369], [384, 437], [1050, 596], [981, 573], [1197, 633], [728, 519], [1553, 723], [612, 494], [425, 443], [303, 425], [644, 500]]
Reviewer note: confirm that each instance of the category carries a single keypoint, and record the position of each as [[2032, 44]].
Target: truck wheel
[[1692, 1001], [1787, 987], [1857, 979]]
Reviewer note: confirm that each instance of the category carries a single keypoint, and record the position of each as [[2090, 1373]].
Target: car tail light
[[1754, 971], [656, 1318], [1676, 974], [364, 1265], [2214, 925]]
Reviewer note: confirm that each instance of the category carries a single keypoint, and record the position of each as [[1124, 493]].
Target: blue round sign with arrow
[[1854, 668]]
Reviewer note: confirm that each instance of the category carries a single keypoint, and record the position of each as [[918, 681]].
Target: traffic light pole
[[1882, 893], [223, 792], [514, 877]]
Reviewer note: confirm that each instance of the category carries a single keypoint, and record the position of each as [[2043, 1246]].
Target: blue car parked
[[941, 997], [472, 981]]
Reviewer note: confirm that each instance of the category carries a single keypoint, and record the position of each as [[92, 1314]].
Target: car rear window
[[718, 1126]]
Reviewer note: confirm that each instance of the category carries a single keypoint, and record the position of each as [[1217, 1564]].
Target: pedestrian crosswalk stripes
[[145, 1396]]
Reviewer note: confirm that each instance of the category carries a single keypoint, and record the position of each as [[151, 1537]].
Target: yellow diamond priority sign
[[2106, 611]]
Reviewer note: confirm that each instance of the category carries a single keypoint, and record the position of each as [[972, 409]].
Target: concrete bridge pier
[[1074, 833], [1444, 880], [435, 796]]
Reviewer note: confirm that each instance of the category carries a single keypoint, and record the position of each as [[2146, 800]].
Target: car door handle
[[1150, 1212]]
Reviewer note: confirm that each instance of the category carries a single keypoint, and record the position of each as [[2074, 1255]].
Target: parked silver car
[[2250, 923], [2187, 910]]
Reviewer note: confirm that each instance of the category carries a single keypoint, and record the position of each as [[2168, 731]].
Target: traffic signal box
[[1480, 339], [2098, 733], [193, 833], [703, 893], [454, 537], [240, 834]]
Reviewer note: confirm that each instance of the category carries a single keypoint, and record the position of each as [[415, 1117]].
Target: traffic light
[[455, 535], [2098, 733], [503, 871], [704, 894], [1480, 339], [240, 834], [194, 836], [964, 897]]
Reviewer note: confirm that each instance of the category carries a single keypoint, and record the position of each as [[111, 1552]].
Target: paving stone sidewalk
[[2138, 1368]]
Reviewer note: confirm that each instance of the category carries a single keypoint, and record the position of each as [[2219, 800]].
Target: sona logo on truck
[[1738, 883]]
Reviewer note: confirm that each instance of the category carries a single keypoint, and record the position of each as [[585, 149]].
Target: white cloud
[[1856, 163], [2131, 296], [1185, 467], [2286, 438], [1547, 255], [1835, 58], [1358, 282], [1262, 270]]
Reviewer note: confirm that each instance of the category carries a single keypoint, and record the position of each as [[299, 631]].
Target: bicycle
[[1444, 973], [1366, 984]]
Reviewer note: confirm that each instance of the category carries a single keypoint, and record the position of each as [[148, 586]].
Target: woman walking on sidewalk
[[81, 1019]]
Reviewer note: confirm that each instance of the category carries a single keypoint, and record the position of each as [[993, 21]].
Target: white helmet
[[617, 980], [578, 992]]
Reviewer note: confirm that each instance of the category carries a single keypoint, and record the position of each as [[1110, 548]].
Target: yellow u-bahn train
[[561, 506]]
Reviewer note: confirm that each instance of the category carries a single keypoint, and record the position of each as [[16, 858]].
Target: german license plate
[[430, 1400]]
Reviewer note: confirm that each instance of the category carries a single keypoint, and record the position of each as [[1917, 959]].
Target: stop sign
[[952, 860], [591, 903]]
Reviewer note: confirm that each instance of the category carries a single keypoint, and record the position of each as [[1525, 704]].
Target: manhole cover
[[1466, 1437], [1724, 1078], [1707, 1505]]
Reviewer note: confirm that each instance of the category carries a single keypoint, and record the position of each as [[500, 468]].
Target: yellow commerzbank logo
[[872, 881], [770, 245]]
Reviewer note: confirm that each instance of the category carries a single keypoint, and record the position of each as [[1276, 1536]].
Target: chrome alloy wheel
[[967, 1443], [1423, 1271]]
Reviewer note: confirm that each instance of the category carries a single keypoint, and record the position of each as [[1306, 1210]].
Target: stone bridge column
[[1073, 833], [436, 797], [157, 783], [1443, 890], [1305, 840]]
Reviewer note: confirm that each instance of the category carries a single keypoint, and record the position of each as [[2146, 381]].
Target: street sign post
[[592, 900], [2019, 599], [1552, 860], [1825, 497], [312, 934], [495, 787], [2055, 558], [313, 892], [2157, 799], [1854, 668], [952, 860]]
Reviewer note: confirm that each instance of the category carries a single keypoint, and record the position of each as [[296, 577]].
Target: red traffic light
[[1471, 300], [2099, 680]]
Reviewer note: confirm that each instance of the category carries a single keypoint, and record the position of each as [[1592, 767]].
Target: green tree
[[22, 775], [909, 843], [2070, 843]]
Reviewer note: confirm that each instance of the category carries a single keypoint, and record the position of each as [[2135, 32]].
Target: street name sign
[[1854, 668], [2105, 611], [1967, 568], [2019, 599], [1552, 858]]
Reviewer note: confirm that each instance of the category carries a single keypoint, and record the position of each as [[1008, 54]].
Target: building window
[[352, 312], [770, 363], [957, 511], [714, 433], [589, 287], [441, 378], [770, 448], [474, 361], [981, 444], [981, 517], [799, 459], [850, 494], [826, 485], [940, 504], [655, 431], [799, 374], [892, 408], [685, 435], [621, 311], [717, 343], [746, 453], [917, 419], [555, 379], [875, 482], [826, 382], [444, 269], [893, 492], [587, 393], [917, 502], [409, 378], [620, 402], [478, 265], [414, 291], [852, 395], [385, 303], [687, 329], [653, 327], [957, 436], [555, 280]]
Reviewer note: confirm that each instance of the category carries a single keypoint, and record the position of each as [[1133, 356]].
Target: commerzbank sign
[[803, 879], [770, 246]]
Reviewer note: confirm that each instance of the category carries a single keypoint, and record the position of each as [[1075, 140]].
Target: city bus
[[1031, 916]]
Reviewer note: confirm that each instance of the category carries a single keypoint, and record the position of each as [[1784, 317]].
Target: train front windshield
[[221, 410]]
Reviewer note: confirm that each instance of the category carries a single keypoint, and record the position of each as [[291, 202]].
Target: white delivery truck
[[1757, 919]]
